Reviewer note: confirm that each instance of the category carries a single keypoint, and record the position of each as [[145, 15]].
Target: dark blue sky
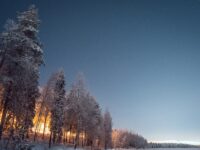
[[141, 58]]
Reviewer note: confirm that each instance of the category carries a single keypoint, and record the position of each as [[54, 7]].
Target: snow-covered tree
[[28, 24], [74, 106], [9, 60], [21, 56], [83, 114], [24, 97], [92, 120], [107, 130], [127, 139], [44, 104], [57, 110]]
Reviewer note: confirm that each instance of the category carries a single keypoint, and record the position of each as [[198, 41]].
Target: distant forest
[[171, 145], [127, 139]]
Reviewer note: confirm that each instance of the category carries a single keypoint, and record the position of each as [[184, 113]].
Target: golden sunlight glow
[[40, 128], [68, 133], [41, 123], [73, 135], [82, 135]]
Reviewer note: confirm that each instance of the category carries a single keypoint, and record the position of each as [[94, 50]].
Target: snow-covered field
[[173, 149], [40, 147], [45, 147], [163, 149], [167, 149]]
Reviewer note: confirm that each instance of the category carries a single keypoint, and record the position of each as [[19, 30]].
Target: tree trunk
[[91, 144], [69, 140], [4, 112], [27, 135], [63, 137], [83, 138], [59, 137], [50, 139], [2, 60], [11, 133], [38, 121], [105, 145], [54, 138], [26, 125], [45, 120], [76, 139]]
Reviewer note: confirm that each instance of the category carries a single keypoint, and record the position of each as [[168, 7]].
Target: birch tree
[[107, 130], [57, 109]]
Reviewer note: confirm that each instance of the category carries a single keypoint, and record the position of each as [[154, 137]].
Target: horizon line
[[177, 142]]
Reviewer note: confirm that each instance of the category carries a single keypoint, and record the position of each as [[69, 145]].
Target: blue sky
[[140, 58]]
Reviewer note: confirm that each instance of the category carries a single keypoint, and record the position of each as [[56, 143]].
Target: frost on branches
[[83, 114], [21, 55], [73, 117], [107, 130], [57, 109]]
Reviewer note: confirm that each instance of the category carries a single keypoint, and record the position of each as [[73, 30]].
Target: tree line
[[127, 139], [171, 145], [75, 111]]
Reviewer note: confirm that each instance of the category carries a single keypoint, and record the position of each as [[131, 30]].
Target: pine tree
[[20, 58], [11, 58], [28, 24]]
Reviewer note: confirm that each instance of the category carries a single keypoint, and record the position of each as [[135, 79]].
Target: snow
[[63, 148], [40, 147], [59, 147]]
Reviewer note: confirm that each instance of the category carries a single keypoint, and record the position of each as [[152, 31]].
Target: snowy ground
[[163, 149], [42, 147], [60, 147]]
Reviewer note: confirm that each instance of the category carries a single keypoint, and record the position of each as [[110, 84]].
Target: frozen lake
[[40, 147], [171, 149], [164, 149], [174, 148]]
